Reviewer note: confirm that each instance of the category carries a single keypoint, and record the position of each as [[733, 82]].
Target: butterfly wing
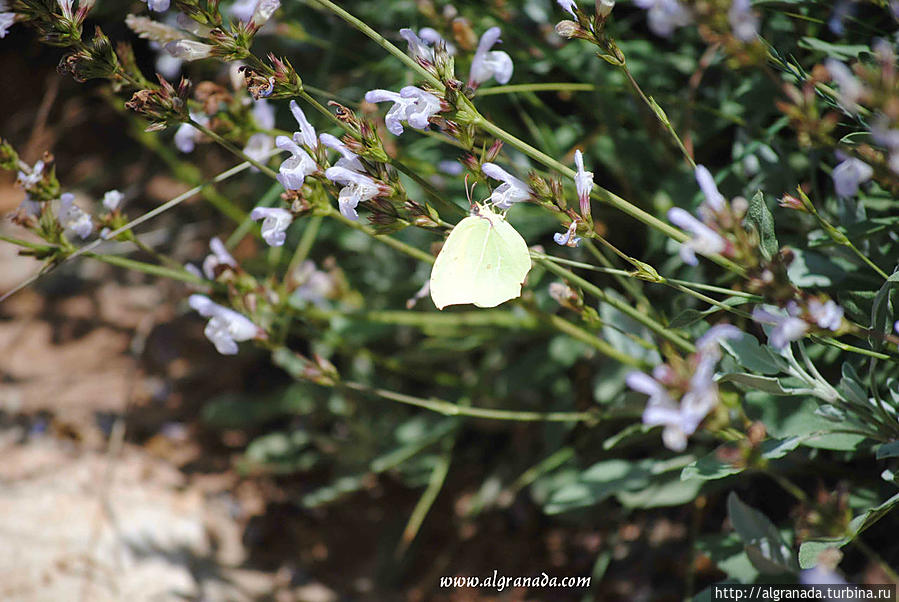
[[483, 261]]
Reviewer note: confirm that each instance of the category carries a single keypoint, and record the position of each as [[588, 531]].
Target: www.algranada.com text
[[501, 582]]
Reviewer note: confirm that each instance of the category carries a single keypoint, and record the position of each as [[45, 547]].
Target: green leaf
[[842, 52], [888, 450], [761, 539], [881, 311], [713, 467], [752, 356], [754, 382], [760, 217]]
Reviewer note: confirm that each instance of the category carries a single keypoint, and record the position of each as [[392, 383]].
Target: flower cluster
[[682, 393], [717, 216]]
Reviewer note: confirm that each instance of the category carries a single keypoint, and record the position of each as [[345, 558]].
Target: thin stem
[[544, 87], [621, 306], [390, 242], [148, 268], [660, 115], [435, 484], [578, 333], [451, 409], [233, 149], [305, 245], [380, 41]]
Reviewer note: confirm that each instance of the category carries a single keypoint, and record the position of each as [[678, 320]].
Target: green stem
[[660, 115], [621, 306], [544, 87], [380, 41], [233, 149], [147, 268], [451, 409], [390, 242], [305, 245], [578, 333], [435, 484]]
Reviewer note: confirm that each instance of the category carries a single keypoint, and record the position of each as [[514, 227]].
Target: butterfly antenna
[[469, 191]]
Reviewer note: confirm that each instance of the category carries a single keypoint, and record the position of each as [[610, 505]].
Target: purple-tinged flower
[[274, 224], [665, 16], [168, 65], [584, 182], [820, 575], [826, 315], [661, 409], [569, 5], [417, 47], [306, 135], [848, 175], [490, 63], [709, 344], [186, 136], [432, 37], [450, 168], [257, 11], [226, 327], [29, 207], [411, 104], [27, 180], [112, 200], [293, 170], [242, 10], [73, 218], [158, 6], [568, 239], [217, 259], [7, 19], [743, 22], [851, 90], [357, 187], [786, 329], [511, 191], [348, 158], [705, 241], [264, 114], [313, 285], [714, 200], [65, 6], [841, 11], [258, 148]]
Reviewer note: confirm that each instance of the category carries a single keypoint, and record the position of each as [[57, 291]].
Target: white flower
[[314, 285], [583, 181], [486, 63], [432, 37], [348, 158], [709, 344], [242, 10], [167, 65], [357, 187], [511, 191], [411, 104], [186, 136], [113, 199], [568, 5], [786, 329], [189, 50], [259, 146], [661, 409], [157, 5], [743, 22], [219, 257], [66, 7], [826, 315], [306, 135], [225, 327], [27, 180], [849, 174], [665, 15], [713, 199], [294, 169], [851, 89], [604, 8], [6, 21], [274, 224], [264, 114], [705, 241], [417, 47], [73, 218]]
